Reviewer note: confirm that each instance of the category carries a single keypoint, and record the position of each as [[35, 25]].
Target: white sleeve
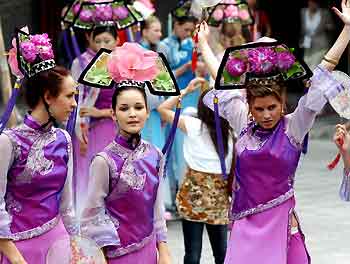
[[323, 88], [67, 210], [7, 153], [232, 106], [159, 210], [95, 223]]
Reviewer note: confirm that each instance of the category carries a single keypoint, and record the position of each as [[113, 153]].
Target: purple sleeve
[[6, 150], [95, 223], [323, 88], [159, 210], [67, 210], [344, 191], [232, 107]]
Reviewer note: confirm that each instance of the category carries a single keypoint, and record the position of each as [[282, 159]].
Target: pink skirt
[[265, 238], [35, 250], [146, 255]]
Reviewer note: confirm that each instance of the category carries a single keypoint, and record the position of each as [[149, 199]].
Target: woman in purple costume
[[342, 140], [124, 210], [95, 127], [36, 163], [266, 229]]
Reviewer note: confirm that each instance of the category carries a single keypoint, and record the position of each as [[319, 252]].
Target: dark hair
[[50, 80], [278, 90], [207, 116], [118, 91], [185, 19], [105, 29]]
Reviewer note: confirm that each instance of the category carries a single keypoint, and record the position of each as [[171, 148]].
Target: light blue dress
[[153, 132], [178, 53]]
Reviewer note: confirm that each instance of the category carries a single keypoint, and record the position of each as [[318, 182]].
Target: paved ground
[[325, 219]]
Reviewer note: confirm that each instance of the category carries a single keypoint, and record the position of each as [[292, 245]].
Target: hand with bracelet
[[332, 57]]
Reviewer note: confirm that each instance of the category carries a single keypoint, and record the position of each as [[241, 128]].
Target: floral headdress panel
[[93, 13], [34, 53], [183, 9], [259, 63], [130, 65], [230, 11]]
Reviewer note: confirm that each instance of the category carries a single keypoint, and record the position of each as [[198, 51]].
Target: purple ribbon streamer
[[66, 46], [76, 49], [219, 138], [72, 118], [306, 138], [10, 105], [170, 140]]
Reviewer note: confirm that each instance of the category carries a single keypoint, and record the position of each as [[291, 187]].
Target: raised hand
[[344, 15], [341, 139]]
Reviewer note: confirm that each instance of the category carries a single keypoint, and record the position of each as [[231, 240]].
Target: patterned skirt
[[204, 197]]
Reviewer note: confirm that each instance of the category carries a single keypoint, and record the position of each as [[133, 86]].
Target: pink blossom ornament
[[103, 13], [218, 14], [120, 12], [236, 67], [231, 11]]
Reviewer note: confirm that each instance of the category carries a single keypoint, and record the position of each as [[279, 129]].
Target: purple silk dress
[[124, 211], [266, 162], [101, 130], [35, 188]]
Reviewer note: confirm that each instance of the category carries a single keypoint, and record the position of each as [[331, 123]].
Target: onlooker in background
[[261, 26], [203, 198], [151, 31], [178, 48], [316, 32]]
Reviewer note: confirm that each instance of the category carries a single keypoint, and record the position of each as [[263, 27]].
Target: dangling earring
[[250, 117]]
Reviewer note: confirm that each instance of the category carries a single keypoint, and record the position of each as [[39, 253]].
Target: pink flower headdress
[[30, 54], [93, 13], [130, 65], [260, 63]]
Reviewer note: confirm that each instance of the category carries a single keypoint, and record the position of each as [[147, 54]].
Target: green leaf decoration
[[296, 68], [98, 76], [228, 78], [163, 82]]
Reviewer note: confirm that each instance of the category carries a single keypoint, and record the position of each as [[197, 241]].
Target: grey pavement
[[324, 217]]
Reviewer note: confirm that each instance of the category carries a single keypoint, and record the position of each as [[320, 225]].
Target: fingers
[[337, 12]]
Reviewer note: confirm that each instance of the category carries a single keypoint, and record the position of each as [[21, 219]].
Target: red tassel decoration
[[335, 162], [194, 52]]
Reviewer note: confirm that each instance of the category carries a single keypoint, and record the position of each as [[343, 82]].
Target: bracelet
[[330, 60]]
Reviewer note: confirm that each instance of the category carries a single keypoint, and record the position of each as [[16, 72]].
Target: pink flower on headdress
[[40, 40], [236, 67], [218, 14], [46, 53], [76, 8], [244, 14], [262, 60], [231, 11], [120, 12], [148, 4], [285, 60], [86, 15], [29, 51], [132, 62], [103, 13]]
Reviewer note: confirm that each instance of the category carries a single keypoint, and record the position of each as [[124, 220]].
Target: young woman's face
[[131, 112], [267, 111], [104, 40], [63, 105], [183, 31], [153, 33]]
